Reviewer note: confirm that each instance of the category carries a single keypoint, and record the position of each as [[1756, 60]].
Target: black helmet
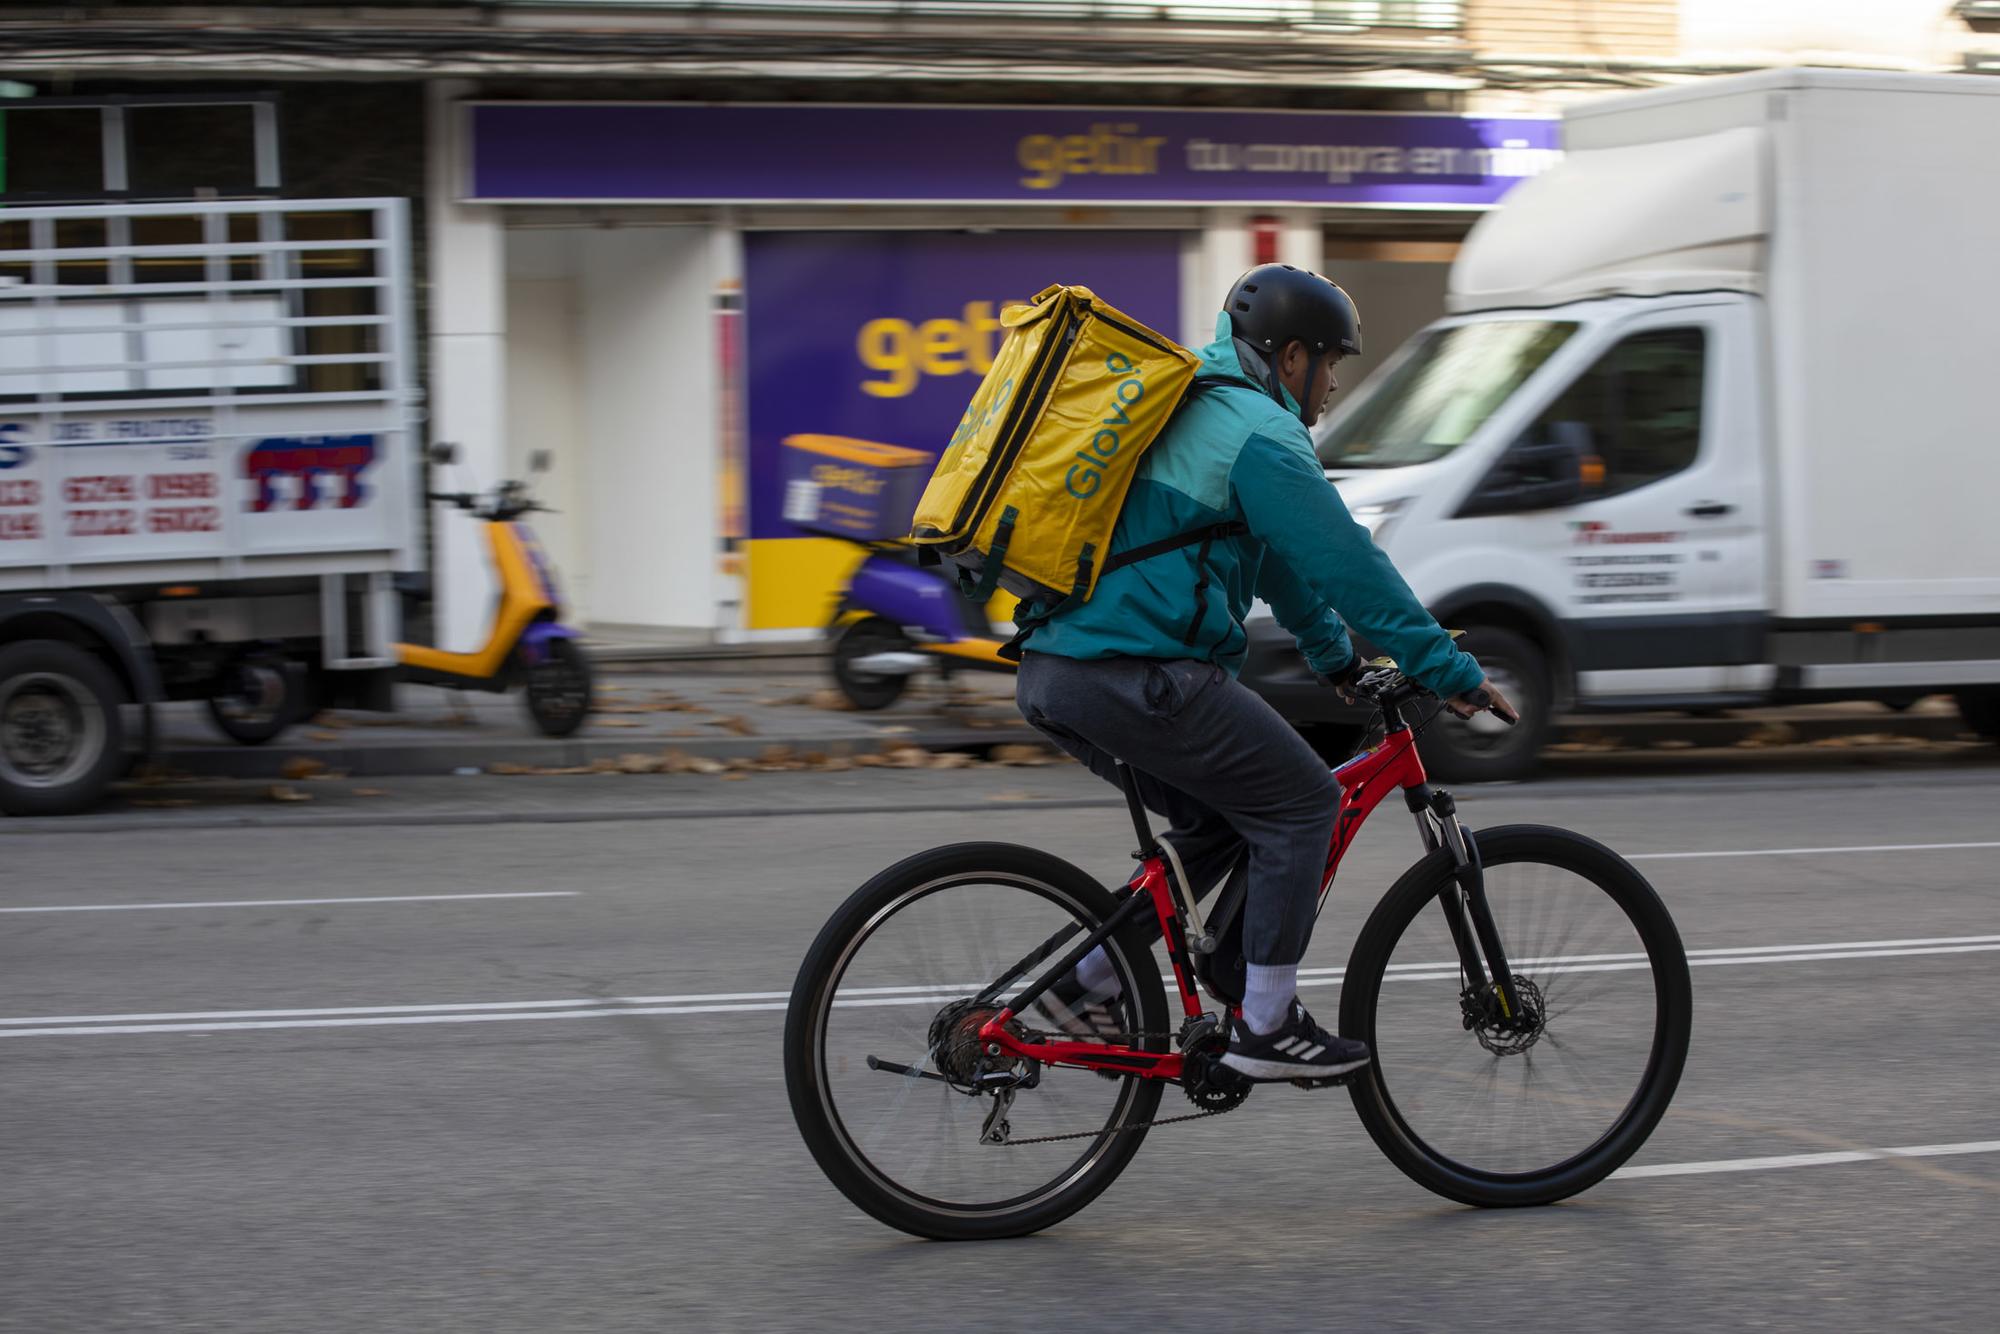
[[1275, 303]]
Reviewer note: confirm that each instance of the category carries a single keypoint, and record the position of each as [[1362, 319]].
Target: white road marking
[[293, 903], [737, 1002], [1808, 852], [1806, 1160]]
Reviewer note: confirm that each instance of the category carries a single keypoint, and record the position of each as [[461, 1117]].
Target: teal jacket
[[1231, 453]]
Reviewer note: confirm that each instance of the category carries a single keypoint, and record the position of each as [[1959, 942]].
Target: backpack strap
[[1029, 617], [1203, 536], [1027, 620]]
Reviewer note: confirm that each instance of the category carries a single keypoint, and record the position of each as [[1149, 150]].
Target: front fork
[[1467, 912]]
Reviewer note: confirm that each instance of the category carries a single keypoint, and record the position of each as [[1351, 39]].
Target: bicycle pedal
[[1331, 1081]]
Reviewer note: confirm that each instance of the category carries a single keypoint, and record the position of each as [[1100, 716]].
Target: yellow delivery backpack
[[1025, 496]]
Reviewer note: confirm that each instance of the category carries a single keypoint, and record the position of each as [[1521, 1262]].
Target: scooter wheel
[[868, 690], [558, 691]]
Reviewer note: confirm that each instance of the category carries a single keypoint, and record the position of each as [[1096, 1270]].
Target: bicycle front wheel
[[888, 1084], [1490, 1113]]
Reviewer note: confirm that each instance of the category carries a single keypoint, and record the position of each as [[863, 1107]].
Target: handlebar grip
[[1483, 699]]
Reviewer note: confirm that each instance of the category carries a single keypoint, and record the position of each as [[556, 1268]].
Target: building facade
[[659, 240]]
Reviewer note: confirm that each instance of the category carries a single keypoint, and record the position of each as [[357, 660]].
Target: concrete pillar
[[1221, 256], [468, 336], [649, 372]]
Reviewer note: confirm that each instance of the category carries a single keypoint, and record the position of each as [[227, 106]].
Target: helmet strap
[[1262, 367]]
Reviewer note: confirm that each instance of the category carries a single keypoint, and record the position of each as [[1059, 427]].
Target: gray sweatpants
[[1215, 760]]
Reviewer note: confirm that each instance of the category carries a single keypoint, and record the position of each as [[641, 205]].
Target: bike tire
[[807, 1083], [1664, 957]]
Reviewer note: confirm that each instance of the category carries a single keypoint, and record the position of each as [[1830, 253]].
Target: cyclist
[[1144, 674]]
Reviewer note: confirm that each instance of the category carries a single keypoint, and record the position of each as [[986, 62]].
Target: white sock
[[1096, 973], [1268, 992]]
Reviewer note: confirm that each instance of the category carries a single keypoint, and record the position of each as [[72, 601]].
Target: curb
[[444, 756]]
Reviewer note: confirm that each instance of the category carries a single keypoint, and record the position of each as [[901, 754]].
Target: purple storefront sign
[[924, 154], [883, 336]]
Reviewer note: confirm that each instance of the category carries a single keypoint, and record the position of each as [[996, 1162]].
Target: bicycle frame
[[1365, 782]]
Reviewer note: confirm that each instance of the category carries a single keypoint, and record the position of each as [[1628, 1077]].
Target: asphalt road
[[241, 1116]]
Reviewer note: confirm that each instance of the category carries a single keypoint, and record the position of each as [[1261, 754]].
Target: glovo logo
[[1086, 475]]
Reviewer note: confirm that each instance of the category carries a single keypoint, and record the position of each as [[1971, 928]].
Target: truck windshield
[[1452, 381]]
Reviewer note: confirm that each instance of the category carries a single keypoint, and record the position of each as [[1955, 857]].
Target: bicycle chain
[[1127, 1040], [1121, 1130]]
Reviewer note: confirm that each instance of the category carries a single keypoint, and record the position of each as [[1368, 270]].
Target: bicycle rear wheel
[[1488, 1115], [878, 1057]]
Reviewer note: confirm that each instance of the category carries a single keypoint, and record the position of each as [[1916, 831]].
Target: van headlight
[[1377, 515]]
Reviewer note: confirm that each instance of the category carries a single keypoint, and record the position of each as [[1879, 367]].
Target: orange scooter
[[527, 644]]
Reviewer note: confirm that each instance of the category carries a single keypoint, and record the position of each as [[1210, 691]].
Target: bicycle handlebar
[[1385, 686]]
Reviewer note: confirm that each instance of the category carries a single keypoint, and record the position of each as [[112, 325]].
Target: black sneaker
[[1298, 1049], [1075, 1011]]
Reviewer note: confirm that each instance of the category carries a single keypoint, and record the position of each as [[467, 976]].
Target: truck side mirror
[[1537, 472]]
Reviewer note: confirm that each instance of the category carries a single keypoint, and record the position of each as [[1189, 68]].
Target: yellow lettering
[[940, 347], [884, 345], [1077, 152], [1038, 154], [980, 326], [904, 352]]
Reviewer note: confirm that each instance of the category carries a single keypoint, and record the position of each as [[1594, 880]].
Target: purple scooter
[[895, 618]]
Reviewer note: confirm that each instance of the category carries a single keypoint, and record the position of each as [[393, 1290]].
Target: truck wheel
[[558, 693], [1981, 711], [258, 699], [869, 690], [1484, 749], [61, 739]]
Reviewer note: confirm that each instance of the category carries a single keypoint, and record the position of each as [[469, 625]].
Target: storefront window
[[1443, 392]]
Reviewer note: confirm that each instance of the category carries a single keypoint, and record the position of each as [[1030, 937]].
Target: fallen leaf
[[322, 736], [371, 792], [509, 767], [952, 759], [326, 774], [618, 722], [732, 723], [1016, 753], [734, 778], [641, 764], [831, 700], [301, 766], [282, 793], [1011, 795]]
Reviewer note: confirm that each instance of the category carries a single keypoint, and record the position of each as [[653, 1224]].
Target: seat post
[[1128, 781]]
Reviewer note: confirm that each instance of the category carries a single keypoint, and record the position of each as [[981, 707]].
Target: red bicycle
[[1523, 989]]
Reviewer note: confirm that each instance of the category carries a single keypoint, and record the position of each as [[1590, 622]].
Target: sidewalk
[[708, 713], [709, 710]]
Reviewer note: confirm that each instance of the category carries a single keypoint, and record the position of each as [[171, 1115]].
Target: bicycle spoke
[[947, 946], [1475, 1099]]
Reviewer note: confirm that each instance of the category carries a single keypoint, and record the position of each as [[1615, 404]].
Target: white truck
[[1713, 422], [208, 474]]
